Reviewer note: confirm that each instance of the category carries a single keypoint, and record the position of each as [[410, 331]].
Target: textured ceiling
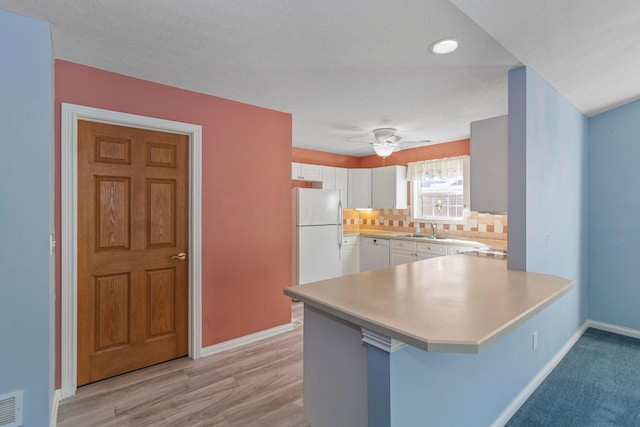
[[589, 50], [343, 68]]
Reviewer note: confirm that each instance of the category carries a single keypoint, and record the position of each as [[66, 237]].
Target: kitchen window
[[439, 189]]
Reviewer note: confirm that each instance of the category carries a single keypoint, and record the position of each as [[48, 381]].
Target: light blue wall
[[444, 389], [614, 208], [548, 200], [548, 136], [556, 182], [25, 213]]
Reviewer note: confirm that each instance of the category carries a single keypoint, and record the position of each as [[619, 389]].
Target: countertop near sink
[[453, 240]]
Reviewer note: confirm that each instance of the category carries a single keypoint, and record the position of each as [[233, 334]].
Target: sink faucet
[[434, 230]]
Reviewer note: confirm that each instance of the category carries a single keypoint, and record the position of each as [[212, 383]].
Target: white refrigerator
[[317, 235]]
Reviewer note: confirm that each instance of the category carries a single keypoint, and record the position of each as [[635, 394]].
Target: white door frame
[[69, 230]]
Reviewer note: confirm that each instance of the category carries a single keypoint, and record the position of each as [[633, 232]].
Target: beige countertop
[[454, 240], [457, 304]]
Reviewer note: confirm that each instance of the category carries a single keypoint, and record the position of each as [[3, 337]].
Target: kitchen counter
[[457, 304], [500, 245]]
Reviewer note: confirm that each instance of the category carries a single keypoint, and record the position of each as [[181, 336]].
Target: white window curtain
[[440, 169]]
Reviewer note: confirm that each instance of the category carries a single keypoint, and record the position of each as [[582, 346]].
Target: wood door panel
[[112, 150], [113, 218], [161, 215], [112, 302], [161, 155], [132, 217], [161, 297]]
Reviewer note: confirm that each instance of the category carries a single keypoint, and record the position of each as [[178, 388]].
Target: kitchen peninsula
[[426, 326]]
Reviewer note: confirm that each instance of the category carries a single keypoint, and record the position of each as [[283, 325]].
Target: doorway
[[71, 115]]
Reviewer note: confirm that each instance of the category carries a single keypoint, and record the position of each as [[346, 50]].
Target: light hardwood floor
[[259, 384]]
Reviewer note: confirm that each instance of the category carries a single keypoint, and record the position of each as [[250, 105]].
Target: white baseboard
[[537, 380], [247, 339], [633, 333], [53, 417]]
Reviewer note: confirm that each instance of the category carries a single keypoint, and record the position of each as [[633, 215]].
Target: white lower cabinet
[[453, 249], [430, 250], [350, 254], [406, 251], [402, 252]]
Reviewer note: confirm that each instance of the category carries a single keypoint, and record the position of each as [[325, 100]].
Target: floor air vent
[[11, 409]]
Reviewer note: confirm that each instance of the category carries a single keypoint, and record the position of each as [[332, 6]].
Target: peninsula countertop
[[456, 304]]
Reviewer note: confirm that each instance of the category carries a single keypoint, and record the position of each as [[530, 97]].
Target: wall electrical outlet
[[473, 223], [534, 340], [547, 237]]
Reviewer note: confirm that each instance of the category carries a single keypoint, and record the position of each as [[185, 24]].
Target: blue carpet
[[596, 384]]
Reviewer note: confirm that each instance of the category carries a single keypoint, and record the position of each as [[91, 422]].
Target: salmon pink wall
[[302, 155], [430, 152], [246, 162]]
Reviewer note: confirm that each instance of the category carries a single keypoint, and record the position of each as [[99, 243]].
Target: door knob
[[181, 256]]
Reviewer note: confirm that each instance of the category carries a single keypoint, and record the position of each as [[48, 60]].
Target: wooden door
[[132, 218]]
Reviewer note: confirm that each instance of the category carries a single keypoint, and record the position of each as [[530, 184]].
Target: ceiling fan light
[[383, 150], [383, 134], [393, 139]]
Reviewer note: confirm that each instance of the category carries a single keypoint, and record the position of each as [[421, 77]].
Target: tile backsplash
[[475, 224]]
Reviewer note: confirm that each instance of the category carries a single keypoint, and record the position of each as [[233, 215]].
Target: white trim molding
[[69, 232], [620, 330], [53, 417], [383, 342], [247, 339]]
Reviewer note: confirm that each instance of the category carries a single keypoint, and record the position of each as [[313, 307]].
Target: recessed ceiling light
[[444, 46]]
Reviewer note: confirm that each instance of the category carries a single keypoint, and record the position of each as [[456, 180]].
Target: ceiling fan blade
[[366, 138]]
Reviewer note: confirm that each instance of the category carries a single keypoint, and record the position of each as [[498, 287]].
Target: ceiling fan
[[385, 141]]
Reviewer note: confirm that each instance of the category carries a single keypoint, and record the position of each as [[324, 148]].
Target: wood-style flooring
[[259, 384]]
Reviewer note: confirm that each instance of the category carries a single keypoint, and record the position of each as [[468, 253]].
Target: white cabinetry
[[454, 250], [329, 178], [402, 252], [389, 187], [359, 188], [350, 255], [428, 250], [342, 184], [489, 165], [306, 172]]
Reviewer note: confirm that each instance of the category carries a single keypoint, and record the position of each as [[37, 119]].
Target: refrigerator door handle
[[341, 234]]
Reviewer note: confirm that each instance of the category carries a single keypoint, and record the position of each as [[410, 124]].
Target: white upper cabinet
[[377, 188], [306, 172], [359, 196], [389, 187], [489, 165], [329, 178], [342, 184], [295, 171]]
